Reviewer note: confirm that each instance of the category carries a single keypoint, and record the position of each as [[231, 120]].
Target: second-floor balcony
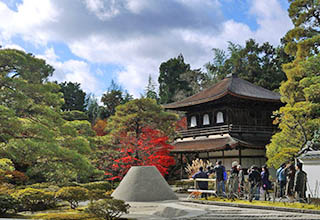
[[224, 129]]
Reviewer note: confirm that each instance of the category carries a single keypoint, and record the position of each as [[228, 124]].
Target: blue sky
[[95, 41]]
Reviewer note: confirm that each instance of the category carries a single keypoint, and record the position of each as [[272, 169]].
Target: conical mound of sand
[[144, 184]]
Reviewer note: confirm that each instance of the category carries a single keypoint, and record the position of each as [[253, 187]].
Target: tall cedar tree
[[150, 91], [74, 97], [300, 117], [112, 98], [169, 79]]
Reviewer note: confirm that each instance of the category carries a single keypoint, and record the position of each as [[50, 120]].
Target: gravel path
[[187, 210]]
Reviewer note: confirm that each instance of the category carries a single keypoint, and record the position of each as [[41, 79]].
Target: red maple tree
[[150, 148]]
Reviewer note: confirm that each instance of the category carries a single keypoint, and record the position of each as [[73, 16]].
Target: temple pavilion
[[230, 121]]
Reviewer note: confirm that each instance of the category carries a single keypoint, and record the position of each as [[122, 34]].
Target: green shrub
[[102, 185], [97, 194], [49, 187], [35, 199], [7, 203], [68, 184], [73, 195], [108, 209], [97, 190]]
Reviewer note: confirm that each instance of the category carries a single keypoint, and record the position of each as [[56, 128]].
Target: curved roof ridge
[[231, 85], [245, 88]]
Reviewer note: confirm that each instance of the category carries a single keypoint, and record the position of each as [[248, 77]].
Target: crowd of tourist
[[290, 181]]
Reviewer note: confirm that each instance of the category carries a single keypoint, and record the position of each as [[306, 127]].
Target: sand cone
[[144, 184]]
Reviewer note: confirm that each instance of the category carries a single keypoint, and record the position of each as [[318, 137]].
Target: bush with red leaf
[[150, 148]]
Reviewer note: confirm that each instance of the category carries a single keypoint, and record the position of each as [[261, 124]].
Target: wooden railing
[[194, 132], [223, 129], [252, 129]]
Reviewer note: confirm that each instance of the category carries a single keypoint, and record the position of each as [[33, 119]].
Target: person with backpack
[[281, 179], [255, 181]]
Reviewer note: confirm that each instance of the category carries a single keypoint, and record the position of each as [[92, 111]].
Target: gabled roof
[[233, 86]]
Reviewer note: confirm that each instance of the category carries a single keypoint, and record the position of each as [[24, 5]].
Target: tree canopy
[[300, 117], [169, 79], [112, 98], [258, 64], [33, 135], [136, 114], [74, 97]]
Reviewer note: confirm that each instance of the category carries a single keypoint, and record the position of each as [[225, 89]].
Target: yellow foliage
[[196, 164]]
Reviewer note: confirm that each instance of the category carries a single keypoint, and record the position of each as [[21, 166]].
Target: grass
[[296, 205]]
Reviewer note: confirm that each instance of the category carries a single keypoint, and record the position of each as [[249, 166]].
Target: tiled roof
[[311, 155], [231, 85], [214, 144]]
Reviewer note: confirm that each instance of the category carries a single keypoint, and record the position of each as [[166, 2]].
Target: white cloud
[[137, 35], [72, 71], [272, 19], [14, 46], [30, 21]]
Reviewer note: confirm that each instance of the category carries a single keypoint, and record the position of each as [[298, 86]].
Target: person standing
[[203, 185], [240, 180], [233, 181], [219, 171], [290, 171], [266, 184], [300, 183], [281, 179], [255, 181]]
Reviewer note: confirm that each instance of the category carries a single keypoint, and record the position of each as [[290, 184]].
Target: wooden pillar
[[223, 156], [208, 155], [240, 156], [181, 170]]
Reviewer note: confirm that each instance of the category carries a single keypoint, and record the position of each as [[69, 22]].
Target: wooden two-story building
[[229, 121]]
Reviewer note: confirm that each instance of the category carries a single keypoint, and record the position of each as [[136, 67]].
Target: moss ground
[[268, 203]]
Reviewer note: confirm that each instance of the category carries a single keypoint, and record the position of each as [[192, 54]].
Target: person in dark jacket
[[255, 181], [201, 184], [300, 183], [290, 171], [219, 170], [266, 184]]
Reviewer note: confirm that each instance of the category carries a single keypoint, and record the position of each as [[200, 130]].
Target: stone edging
[[238, 205]]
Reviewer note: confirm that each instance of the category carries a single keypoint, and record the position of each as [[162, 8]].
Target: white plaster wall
[[313, 175]]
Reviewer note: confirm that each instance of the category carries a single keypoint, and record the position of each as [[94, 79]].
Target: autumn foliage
[[181, 124], [99, 127], [150, 148]]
